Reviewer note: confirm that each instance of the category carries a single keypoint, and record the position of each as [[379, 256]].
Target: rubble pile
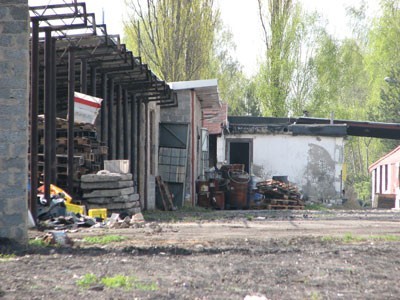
[[112, 191], [280, 195]]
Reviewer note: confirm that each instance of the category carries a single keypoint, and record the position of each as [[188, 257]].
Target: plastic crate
[[76, 209], [98, 213]]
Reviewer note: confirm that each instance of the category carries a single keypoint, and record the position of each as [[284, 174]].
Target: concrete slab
[[106, 185], [105, 177], [109, 193]]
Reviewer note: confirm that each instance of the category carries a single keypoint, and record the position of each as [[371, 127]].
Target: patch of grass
[[117, 281], [350, 238], [38, 243], [315, 296], [4, 257], [186, 213], [87, 280], [104, 239], [249, 218]]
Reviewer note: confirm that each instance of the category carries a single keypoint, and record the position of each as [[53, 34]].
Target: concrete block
[[105, 200], [109, 193], [113, 206], [105, 177], [106, 185]]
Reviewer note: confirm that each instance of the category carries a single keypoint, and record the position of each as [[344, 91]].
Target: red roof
[[391, 157], [215, 118]]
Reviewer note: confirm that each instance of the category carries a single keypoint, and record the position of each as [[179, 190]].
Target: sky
[[241, 17]]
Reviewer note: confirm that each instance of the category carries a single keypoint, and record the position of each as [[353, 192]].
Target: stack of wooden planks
[[280, 195], [89, 153]]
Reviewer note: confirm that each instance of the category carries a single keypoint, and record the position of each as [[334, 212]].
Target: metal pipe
[[118, 120], [125, 132], [47, 115], [34, 119], [71, 119], [103, 111], [110, 120], [83, 76]]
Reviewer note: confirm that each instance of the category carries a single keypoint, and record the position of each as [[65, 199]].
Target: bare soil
[[220, 255]]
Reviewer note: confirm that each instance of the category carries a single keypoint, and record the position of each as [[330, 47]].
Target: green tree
[[285, 78], [175, 37]]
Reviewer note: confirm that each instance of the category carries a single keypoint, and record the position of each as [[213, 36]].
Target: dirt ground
[[220, 255]]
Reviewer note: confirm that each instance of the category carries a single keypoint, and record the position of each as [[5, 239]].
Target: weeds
[[104, 239], [350, 238], [87, 280], [5, 257], [117, 281], [38, 243]]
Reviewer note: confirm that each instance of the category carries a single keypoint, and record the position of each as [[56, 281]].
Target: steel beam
[[71, 119], [133, 135], [93, 75], [104, 110], [53, 126], [118, 120], [83, 76], [48, 143], [125, 125], [34, 99], [110, 125]]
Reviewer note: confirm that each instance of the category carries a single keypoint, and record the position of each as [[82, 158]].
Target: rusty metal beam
[[48, 143], [104, 110], [118, 120], [110, 114], [71, 120], [34, 99], [125, 131]]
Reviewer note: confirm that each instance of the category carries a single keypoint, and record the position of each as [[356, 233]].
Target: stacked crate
[[89, 154]]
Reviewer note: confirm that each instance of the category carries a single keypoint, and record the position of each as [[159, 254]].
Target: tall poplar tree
[[175, 37], [280, 21]]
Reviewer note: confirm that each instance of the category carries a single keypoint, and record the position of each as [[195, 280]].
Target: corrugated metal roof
[[206, 91]]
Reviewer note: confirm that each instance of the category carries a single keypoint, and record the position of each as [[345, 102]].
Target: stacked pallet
[[113, 191], [280, 195], [89, 154]]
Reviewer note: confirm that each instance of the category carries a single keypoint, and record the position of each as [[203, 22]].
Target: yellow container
[[98, 213], [76, 209]]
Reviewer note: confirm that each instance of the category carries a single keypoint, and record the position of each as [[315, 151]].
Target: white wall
[[313, 163]]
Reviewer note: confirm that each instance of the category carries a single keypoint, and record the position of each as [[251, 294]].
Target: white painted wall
[[313, 163]]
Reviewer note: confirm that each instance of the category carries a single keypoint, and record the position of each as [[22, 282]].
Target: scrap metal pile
[[279, 195]]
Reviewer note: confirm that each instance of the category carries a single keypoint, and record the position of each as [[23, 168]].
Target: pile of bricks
[[113, 191]]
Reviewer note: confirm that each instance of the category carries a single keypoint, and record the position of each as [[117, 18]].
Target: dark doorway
[[239, 153], [212, 144]]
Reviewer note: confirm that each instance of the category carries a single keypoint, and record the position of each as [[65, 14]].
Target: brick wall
[[14, 76]]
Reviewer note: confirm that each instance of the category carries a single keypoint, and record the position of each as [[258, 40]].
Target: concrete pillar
[[14, 62]]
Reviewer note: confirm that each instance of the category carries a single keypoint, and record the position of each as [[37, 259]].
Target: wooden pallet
[[166, 195]]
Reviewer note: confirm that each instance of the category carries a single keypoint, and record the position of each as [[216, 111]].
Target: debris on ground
[[279, 195]]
